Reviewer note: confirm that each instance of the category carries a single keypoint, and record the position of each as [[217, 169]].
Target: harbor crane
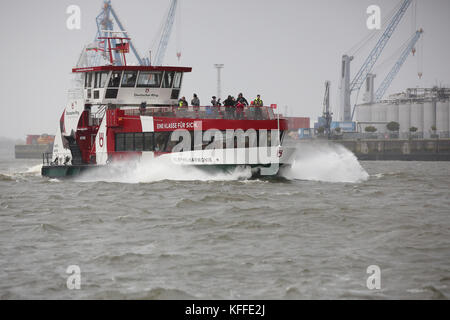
[[164, 35], [348, 87], [94, 53], [327, 115], [105, 25], [395, 69]]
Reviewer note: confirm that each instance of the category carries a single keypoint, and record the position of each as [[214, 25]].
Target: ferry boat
[[132, 113]]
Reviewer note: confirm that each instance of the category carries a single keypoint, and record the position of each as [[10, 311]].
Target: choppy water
[[158, 231]]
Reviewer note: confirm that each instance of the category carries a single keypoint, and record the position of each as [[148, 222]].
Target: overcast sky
[[283, 50]]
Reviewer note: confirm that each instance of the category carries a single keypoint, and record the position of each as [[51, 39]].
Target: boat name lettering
[[72, 113], [146, 95], [176, 125]]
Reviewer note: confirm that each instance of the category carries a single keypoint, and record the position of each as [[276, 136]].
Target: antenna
[[219, 66]]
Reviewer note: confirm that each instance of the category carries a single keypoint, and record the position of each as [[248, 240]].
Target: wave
[[160, 169], [6, 177], [151, 294], [21, 173], [314, 161], [326, 162], [35, 170]]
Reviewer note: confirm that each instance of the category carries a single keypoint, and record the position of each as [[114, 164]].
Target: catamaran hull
[[70, 171]]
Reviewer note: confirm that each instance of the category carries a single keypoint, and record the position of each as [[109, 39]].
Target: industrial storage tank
[[363, 114], [392, 112], [378, 114], [404, 117], [429, 118], [442, 118], [417, 117]]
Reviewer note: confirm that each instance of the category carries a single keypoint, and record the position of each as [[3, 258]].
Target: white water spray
[[159, 169], [327, 162]]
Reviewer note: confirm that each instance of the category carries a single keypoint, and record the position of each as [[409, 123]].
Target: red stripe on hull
[[171, 124]]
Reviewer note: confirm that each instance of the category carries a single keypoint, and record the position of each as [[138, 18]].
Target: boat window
[[168, 79], [100, 79], [177, 80], [120, 142], [149, 79], [129, 142], [161, 139], [135, 141], [103, 77], [88, 80], [148, 141], [139, 141], [129, 79], [114, 81]]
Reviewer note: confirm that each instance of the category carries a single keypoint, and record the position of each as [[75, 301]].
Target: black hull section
[[69, 171], [65, 171]]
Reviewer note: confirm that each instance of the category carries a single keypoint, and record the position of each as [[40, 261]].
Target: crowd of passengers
[[234, 106]]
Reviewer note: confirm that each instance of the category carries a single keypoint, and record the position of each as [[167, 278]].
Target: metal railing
[[211, 112]]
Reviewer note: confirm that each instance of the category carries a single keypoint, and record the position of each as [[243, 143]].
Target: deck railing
[[211, 112]]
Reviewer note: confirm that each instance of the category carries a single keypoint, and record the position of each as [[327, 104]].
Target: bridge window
[[129, 79], [149, 79], [103, 77], [168, 79], [100, 79], [88, 80], [177, 80], [114, 81]]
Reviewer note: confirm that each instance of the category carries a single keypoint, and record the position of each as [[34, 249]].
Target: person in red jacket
[[239, 110]]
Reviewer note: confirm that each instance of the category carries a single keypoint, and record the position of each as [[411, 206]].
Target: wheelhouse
[[132, 85]]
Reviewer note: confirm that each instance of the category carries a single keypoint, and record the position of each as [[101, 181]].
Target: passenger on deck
[[142, 108], [241, 99], [195, 101], [229, 107], [215, 102], [258, 103], [182, 102], [239, 110]]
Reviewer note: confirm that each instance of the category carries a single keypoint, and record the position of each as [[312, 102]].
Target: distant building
[[423, 108]]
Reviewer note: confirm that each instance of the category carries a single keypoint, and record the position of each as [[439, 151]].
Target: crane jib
[[378, 49]]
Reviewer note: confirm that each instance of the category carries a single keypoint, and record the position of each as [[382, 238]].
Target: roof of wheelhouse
[[132, 68]]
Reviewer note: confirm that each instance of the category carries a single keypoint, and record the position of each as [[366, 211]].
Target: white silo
[[379, 111], [392, 112], [404, 117], [374, 109], [363, 114], [442, 118], [417, 116], [429, 118]]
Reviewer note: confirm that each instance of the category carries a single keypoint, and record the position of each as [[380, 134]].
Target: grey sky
[[282, 49]]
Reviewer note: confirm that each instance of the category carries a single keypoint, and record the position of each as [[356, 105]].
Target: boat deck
[[192, 112]]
